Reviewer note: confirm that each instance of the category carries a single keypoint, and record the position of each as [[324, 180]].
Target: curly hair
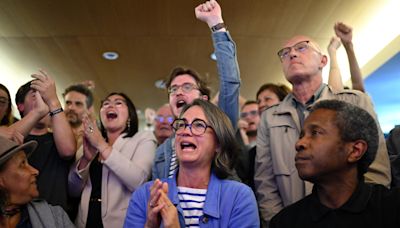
[[354, 123]]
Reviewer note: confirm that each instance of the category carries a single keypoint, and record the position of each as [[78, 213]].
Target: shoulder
[[145, 135], [345, 93], [139, 137], [292, 215], [235, 187], [165, 146], [43, 209]]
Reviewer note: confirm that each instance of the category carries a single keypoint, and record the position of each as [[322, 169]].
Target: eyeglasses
[[251, 113], [186, 88], [117, 103], [197, 127], [161, 119], [299, 47]]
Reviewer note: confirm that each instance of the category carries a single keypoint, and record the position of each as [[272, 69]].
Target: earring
[[128, 124]]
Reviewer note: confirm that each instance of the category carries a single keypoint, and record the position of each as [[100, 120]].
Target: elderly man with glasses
[[276, 179]]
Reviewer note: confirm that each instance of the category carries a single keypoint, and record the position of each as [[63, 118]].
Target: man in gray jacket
[[276, 179]]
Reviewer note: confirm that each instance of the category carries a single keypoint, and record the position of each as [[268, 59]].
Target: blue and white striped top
[[174, 164], [192, 201]]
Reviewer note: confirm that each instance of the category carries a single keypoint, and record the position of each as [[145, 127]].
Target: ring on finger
[[90, 129]]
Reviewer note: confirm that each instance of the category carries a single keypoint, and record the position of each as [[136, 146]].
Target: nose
[[186, 131], [300, 144], [292, 53], [34, 171], [71, 106]]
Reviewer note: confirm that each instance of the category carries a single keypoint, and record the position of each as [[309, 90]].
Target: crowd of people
[[309, 156]]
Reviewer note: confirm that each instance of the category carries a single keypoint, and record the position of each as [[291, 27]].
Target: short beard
[[75, 124]]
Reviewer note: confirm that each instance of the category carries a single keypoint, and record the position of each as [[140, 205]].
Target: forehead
[[73, 95], [250, 107], [324, 118], [164, 110], [194, 112], [265, 93], [20, 155], [3, 93], [183, 78], [296, 39], [114, 97]]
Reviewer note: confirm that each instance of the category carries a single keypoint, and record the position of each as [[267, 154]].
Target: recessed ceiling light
[[160, 84], [110, 55]]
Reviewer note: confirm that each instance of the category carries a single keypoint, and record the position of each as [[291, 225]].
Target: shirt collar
[[357, 202], [313, 98]]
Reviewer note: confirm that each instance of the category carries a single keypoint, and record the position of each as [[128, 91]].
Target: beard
[[73, 119]]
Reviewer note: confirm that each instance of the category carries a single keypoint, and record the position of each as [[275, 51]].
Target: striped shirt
[[191, 201], [174, 164]]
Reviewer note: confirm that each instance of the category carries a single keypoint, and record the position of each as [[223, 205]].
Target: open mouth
[[180, 103], [188, 146], [111, 115]]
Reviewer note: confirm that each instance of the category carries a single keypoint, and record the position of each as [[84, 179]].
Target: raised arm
[[225, 50], [345, 33], [22, 127], [62, 132], [335, 78]]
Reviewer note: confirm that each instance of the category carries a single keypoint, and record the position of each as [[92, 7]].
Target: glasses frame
[[190, 126], [175, 88], [251, 113], [296, 47], [161, 119]]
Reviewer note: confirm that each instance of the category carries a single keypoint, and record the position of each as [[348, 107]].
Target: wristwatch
[[218, 27]]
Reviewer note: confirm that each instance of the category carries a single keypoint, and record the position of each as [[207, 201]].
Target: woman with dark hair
[[116, 160], [270, 94], [199, 192], [6, 117], [18, 190]]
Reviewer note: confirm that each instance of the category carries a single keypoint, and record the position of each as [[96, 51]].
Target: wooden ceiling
[[67, 38]]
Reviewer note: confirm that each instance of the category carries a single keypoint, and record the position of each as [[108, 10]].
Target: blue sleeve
[[137, 210], [245, 211], [229, 75]]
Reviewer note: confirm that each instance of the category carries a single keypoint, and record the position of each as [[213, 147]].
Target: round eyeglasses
[[161, 119], [197, 127]]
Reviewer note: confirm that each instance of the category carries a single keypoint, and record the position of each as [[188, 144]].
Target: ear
[[324, 61], [357, 150], [1, 181], [205, 97], [21, 107]]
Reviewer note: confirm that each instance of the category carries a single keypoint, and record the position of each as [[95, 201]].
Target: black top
[[369, 206], [94, 213], [52, 181], [24, 222]]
